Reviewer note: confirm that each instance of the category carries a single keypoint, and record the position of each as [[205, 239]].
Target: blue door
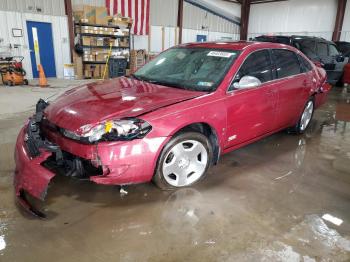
[[42, 34]]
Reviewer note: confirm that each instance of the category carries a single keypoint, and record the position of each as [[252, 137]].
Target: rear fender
[[322, 94]]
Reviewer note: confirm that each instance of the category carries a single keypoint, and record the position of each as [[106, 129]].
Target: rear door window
[[305, 65], [322, 49], [257, 64], [287, 63], [307, 46]]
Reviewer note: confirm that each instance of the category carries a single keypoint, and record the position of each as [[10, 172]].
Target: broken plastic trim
[[34, 140], [24, 202]]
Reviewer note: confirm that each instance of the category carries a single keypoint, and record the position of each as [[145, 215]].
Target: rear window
[[287, 63], [307, 46], [305, 65], [333, 51]]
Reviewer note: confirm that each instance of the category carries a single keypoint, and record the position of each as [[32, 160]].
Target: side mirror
[[340, 58], [247, 82]]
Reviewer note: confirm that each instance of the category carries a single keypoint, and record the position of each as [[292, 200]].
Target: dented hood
[[111, 99]]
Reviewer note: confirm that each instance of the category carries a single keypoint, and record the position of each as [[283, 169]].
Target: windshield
[[198, 69]]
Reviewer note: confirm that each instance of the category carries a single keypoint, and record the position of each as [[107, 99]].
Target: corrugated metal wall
[[345, 35], [312, 17], [45, 7], [89, 2], [197, 18], [163, 12]]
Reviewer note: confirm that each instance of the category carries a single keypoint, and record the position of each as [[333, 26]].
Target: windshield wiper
[[175, 85], [157, 82]]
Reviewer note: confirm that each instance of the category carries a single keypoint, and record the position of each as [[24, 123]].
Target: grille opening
[[72, 165]]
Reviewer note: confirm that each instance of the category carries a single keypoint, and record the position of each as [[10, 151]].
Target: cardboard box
[[77, 15], [85, 12], [101, 56], [93, 41], [86, 40], [99, 41], [121, 21], [92, 71], [68, 71], [90, 14], [87, 73], [101, 15], [124, 42], [78, 66], [137, 59], [88, 58]]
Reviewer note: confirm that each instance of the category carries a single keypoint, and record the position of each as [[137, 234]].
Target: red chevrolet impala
[[172, 119]]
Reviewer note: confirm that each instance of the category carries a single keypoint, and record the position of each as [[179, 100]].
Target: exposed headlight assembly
[[114, 130]]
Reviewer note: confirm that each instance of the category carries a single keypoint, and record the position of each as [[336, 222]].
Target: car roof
[[295, 37], [234, 45], [342, 43]]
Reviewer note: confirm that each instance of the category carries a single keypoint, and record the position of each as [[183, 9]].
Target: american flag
[[138, 10]]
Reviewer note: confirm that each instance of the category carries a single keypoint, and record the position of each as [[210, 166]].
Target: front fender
[[209, 109]]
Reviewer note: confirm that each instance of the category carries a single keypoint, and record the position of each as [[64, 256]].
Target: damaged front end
[[38, 160], [110, 152]]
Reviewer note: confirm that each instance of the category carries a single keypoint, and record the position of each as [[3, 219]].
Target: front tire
[[305, 118], [183, 161]]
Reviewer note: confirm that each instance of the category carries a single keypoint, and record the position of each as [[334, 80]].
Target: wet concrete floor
[[264, 202]]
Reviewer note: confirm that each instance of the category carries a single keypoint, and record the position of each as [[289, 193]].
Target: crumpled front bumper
[[124, 162], [40, 153], [30, 176]]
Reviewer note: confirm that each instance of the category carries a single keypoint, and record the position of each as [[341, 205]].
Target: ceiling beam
[[265, 1], [234, 1], [180, 14], [69, 14], [339, 20], [245, 10]]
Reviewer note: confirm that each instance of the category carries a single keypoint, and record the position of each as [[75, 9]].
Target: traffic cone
[[42, 77]]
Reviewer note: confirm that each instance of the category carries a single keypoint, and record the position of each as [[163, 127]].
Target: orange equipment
[[13, 73]]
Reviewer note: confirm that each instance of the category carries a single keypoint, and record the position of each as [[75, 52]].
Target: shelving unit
[[78, 29], [105, 47]]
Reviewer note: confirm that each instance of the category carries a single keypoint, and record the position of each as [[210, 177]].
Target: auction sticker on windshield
[[220, 54]]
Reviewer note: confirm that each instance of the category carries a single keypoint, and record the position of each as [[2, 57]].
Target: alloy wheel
[[307, 115], [185, 163]]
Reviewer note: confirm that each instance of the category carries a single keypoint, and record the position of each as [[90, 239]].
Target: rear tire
[[305, 118], [183, 161]]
